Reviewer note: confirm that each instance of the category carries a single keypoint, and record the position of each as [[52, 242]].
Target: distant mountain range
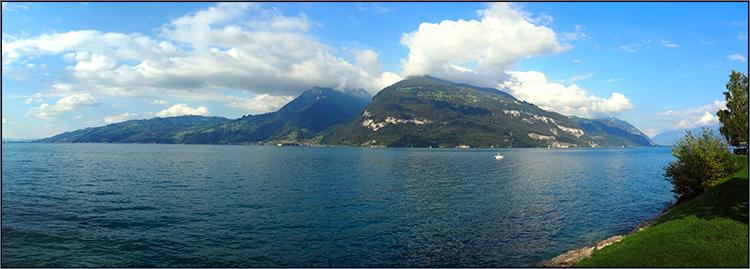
[[299, 120], [668, 138], [612, 132], [420, 111]]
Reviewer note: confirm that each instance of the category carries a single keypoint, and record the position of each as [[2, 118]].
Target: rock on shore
[[569, 258]]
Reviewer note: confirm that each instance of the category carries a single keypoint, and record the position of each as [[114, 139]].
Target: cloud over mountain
[[235, 46], [477, 52], [693, 117], [533, 87], [70, 103]]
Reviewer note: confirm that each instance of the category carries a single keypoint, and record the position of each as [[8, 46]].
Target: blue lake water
[[124, 205]]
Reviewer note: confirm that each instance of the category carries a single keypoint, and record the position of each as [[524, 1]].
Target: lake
[[134, 205]]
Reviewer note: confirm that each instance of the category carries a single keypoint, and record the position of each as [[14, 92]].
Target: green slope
[[612, 132], [299, 120], [708, 231], [424, 111], [156, 130]]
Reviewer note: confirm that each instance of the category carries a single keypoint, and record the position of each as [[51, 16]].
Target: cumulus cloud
[[235, 46], [183, 109], [477, 52], [261, 103], [737, 57], [120, 118], [35, 99], [159, 103], [693, 117], [70, 103], [533, 87]]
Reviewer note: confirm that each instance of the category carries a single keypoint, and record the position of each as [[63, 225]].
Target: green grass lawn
[[708, 231]]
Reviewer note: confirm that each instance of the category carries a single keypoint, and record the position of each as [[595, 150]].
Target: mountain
[[156, 130], [419, 111], [613, 132], [668, 138], [300, 119], [16, 140], [424, 111]]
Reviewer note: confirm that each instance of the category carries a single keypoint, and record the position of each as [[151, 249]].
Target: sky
[[68, 66]]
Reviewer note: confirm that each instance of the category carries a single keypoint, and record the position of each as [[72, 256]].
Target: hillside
[[612, 132], [300, 119], [423, 111], [420, 111], [156, 130], [668, 138], [708, 231]]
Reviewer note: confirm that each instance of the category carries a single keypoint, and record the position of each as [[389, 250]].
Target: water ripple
[[104, 205]]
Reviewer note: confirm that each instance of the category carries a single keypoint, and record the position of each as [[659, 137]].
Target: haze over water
[[121, 205]]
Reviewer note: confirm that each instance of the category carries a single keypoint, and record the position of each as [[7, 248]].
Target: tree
[[734, 123], [702, 162]]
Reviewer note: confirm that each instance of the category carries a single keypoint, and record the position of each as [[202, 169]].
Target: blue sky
[[67, 66]]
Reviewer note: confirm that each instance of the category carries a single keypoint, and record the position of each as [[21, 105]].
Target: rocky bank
[[569, 258]]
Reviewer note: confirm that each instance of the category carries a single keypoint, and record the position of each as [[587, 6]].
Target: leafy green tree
[[702, 162], [734, 124]]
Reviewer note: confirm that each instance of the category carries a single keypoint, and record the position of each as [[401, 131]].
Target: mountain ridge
[[421, 111]]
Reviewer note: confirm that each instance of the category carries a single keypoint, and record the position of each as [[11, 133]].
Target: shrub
[[702, 161]]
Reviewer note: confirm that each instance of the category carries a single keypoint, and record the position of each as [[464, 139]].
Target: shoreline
[[571, 257]]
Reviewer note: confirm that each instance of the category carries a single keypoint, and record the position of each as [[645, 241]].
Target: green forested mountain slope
[[420, 111], [299, 120], [612, 132], [305, 116], [156, 130], [423, 111]]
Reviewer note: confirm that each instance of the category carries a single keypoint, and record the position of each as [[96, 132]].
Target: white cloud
[[614, 80], [70, 103], [706, 42], [668, 44], [261, 103], [368, 60], [5, 121], [693, 117], [37, 98], [77, 117], [631, 47], [737, 57], [576, 78], [375, 7], [577, 61], [159, 103], [477, 52], [235, 46], [120, 105], [183, 109], [578, 35], [533, 87], [120, 118], [14, 6]]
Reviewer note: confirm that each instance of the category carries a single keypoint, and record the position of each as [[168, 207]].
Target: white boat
[[498, 156]]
